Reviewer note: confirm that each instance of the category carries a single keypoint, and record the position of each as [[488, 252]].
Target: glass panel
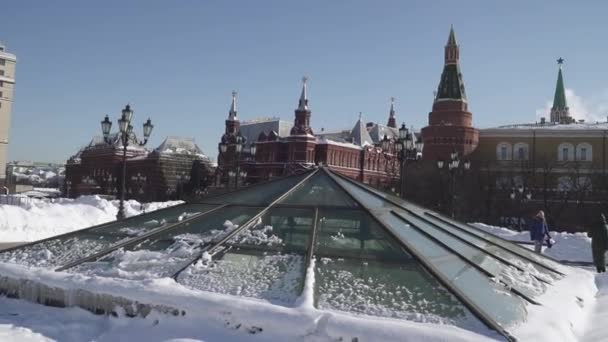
[[258, 195], [361, 269], [164, 254], [319, 190], [489, 248], [66, 249], [493, 298], [513, 248], [521, 281], [266, 262]]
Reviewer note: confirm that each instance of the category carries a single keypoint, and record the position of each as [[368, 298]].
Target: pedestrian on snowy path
[[538, 231], [599, 243]]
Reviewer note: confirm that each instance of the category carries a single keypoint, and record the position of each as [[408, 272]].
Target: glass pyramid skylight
[[371, 253]]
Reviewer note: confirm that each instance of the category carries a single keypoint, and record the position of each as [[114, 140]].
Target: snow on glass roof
[[316, 235]]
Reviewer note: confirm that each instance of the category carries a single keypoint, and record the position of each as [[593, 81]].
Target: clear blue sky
[[178, 61]]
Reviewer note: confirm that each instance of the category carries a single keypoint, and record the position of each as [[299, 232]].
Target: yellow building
[[559, 165]]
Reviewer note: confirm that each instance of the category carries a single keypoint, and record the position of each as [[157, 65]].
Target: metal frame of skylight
[[489, 274], [203, 200], [464, 299], [469, 243], [510, 243], [137, 239], [446, 220], [83, 230], [159, 230], [211, 248]]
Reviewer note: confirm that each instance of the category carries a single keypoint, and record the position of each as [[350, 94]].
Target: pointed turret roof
[[451, 85], [392, 122], [559, 100], [232, 112], [452, 37], [359, 133], [303, 102]]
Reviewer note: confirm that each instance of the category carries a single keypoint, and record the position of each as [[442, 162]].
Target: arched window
[[565, 152], [521, 151], [584, 152], [504, 151]]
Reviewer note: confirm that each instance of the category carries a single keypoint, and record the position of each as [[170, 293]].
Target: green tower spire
[[560, 113], [559, 101]]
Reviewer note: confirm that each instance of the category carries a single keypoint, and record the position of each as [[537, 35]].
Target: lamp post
[[406, 149], [126, 137], [520, 196], [181, 179], [454, 167], [139, 180], [68, 185], [239, 141]]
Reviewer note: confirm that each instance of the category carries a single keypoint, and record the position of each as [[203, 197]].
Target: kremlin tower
[[450, 123]]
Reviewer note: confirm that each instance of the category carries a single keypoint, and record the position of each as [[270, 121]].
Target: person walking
[[538, 231], [599, 243]]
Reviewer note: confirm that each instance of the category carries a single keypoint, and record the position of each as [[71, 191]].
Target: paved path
[[4, 245]]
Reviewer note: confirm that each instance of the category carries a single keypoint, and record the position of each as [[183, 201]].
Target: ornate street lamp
[[520, 197], [252, 150], [140, 181], [406, 150], [68, 185], [125, 131], [453, 167]]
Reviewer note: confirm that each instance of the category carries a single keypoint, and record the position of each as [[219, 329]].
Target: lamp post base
[[121, 211]]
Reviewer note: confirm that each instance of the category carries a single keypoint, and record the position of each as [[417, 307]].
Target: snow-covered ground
[[571, 247], [40, 219], [574, 309]]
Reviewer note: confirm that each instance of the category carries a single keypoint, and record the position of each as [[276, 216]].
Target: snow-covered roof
[[325, 141], [251, 130], [180, 145], [579, 129], [360, 135], [378, 131], [556, 126]]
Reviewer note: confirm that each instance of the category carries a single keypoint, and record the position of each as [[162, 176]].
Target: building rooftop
[[554, 126]]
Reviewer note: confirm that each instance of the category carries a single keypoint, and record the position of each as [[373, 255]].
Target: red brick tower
[[392, 122], [301, 139], [229, 138], [450, 123]]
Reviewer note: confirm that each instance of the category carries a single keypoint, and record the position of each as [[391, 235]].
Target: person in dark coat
[[538, 231], [599, 243]]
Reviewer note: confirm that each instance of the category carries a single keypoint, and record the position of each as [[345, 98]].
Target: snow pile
[[41, 219], [208, 316], [568, 246]]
